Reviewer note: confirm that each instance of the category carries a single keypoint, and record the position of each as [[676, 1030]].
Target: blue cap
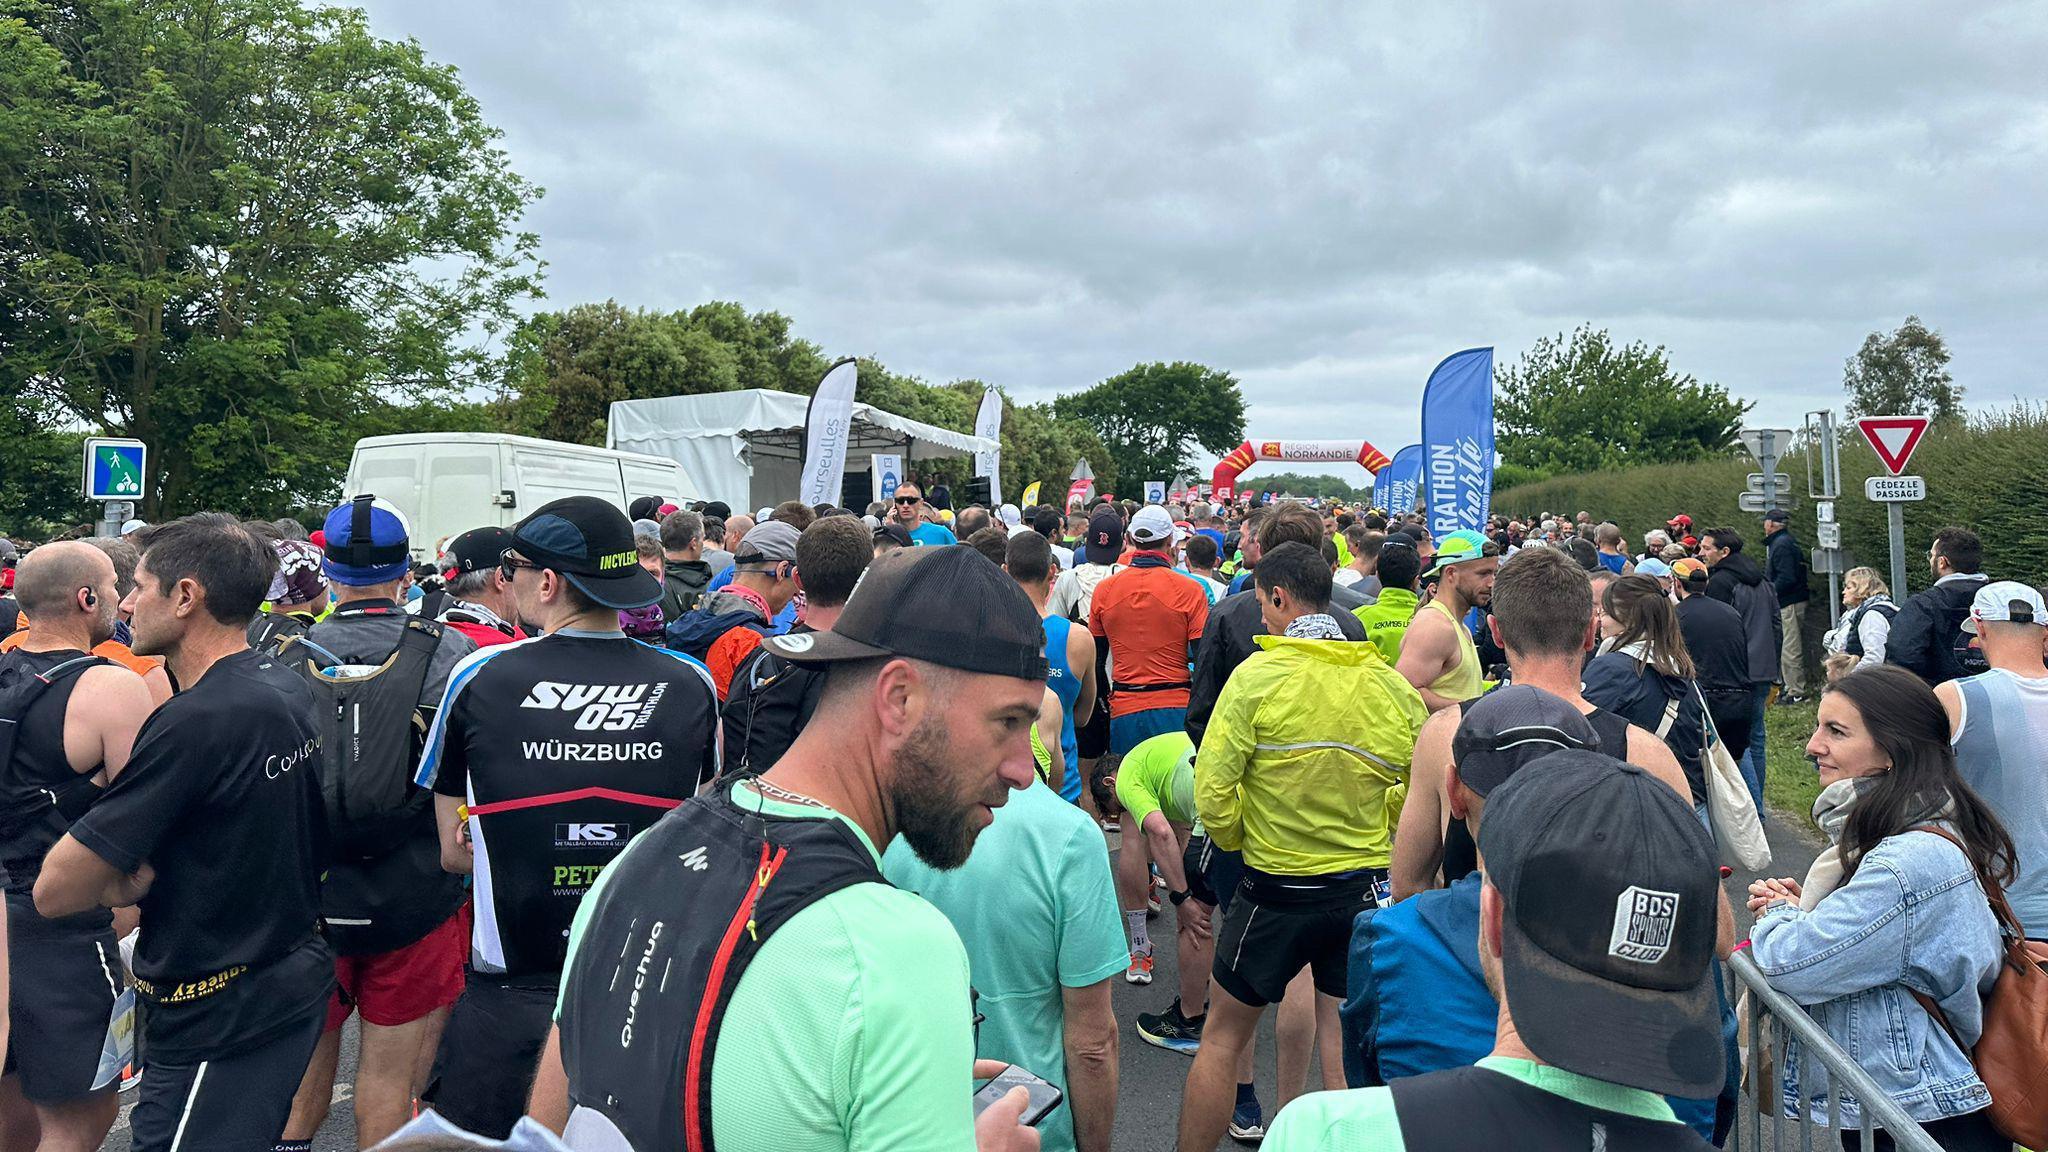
[[366, 543], [1651, 566]]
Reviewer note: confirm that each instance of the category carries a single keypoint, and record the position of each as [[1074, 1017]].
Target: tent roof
[[773, 424]]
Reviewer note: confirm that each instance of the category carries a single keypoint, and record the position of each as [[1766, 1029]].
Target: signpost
[[1893, 438], [1768, 445], [113, 475], [1155, 492]]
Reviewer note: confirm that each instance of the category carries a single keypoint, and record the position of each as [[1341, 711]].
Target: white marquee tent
[[749, 445]]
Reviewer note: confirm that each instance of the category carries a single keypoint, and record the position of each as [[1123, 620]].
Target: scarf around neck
[[1315, 626], [1831, 811]]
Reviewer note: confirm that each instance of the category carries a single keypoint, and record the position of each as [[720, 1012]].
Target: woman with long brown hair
[[1893, 907], [1644, 673]]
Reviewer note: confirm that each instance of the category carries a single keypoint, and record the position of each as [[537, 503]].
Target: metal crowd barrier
[[1773, 1018]]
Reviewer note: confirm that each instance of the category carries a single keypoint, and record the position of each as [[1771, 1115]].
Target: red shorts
[[404, 984]]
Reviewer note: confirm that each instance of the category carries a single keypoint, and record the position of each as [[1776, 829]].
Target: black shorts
[[484, 1069], [64, 976], [1091, 740], [1213, 873], [1279, 924], [237, 1103]]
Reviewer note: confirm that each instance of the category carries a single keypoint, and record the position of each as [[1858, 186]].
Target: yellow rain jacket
[[1295, 769]]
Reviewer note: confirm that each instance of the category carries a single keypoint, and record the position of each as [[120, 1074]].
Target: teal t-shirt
[[1037, 909], [851, 1030], [930, 535], [1363, 1119]]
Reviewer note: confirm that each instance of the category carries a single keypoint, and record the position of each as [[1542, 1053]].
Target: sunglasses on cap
[[910, 499]]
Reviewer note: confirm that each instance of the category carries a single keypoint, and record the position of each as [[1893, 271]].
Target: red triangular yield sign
[[1893, 438]]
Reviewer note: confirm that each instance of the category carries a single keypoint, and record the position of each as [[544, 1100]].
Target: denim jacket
[[1912, 918]]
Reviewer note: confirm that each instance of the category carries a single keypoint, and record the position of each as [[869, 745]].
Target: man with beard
[[72, 718], [1438, 655], [744, 975]]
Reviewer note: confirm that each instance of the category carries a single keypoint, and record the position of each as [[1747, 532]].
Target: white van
[[449, 482]]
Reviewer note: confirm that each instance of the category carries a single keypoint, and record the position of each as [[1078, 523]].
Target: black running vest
[[40, 793], [1465, 1108], [677, 922]]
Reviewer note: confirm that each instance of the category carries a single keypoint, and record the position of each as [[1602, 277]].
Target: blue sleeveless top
[[1065, 684]]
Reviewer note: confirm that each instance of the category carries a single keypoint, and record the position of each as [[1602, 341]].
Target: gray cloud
[[1324, 201]]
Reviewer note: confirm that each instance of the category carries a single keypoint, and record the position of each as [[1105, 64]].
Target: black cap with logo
[[1612, 892], [947, 606], [590, 543], [1105, 540], [475, 550]]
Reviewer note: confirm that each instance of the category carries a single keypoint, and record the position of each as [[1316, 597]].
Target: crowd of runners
[[679, 827]]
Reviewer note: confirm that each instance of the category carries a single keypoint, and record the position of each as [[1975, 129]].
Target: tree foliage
[[1153, 417], [1296, 484], [1586, 404], [230, 227], [1904, 372]]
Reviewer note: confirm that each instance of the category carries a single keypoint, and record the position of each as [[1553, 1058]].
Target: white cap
[[2006, 601], [1009, 514], [132, 526], [1151, 525]]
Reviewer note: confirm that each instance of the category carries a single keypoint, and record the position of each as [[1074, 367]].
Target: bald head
[[68, 586]]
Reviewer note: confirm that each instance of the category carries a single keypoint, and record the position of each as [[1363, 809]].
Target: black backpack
[[269, 631], [770, 702], [23, 802], [1948, 632], [370, 732], [10, 616]]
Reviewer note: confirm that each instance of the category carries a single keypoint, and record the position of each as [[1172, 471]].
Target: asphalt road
[[1149, 1092]]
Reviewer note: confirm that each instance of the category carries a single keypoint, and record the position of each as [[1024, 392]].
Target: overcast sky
[[1323, 201]]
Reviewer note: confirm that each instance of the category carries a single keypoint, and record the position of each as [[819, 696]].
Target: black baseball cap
[[1612, 892], [476, 550], [1508, 728], [1777, 515], [590, 543], [894, 531], [1105, 539], [945, 606]]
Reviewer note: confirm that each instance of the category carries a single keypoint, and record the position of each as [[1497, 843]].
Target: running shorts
[[236, 1103], [1127, 732], [484, 1069], [63, 977], [1279, 924], [1213, 873], [404, 984]]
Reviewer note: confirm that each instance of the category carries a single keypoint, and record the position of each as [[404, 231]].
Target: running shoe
[[1140, 971], [1171, 1030], [1248, 1122], [1151, 909]]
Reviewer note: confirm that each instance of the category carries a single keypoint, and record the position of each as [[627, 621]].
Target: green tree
[[1585, 404], [1905, 372], [1296, 484], [1153, 417], [227, 226]]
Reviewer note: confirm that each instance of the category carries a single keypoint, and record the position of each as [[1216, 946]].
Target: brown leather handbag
[[2012, 1053]]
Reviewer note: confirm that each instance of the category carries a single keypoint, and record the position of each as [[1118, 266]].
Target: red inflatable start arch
[[1224, 481]]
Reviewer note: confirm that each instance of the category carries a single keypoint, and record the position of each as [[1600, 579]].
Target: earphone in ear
[[92, 599]]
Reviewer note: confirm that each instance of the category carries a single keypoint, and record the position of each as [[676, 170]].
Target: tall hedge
[[1989, 475]]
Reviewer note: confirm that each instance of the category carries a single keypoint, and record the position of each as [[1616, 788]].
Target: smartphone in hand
[[1044, 1097]]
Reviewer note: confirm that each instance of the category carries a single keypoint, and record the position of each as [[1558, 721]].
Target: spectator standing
[[1866, 628], [1719, 647], [1998, 723], [1927, 635], [1893, 909], [1786, 566], [1646, 675], [1735, 580], [217, 831], [1606, 988]]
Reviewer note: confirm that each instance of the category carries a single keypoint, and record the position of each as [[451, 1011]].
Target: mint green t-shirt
[[1363, 1119], [1037, 909], [851, 1030]]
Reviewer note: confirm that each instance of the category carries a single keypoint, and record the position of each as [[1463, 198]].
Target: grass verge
[[1789, 782]]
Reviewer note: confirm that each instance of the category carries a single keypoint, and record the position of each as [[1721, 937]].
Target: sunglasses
[[910, 500], [509, 565]]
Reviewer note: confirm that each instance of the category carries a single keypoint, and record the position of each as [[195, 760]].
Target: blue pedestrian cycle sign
[[114, 468]]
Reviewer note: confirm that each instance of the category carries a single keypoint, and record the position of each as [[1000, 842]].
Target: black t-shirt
[[563, 748], [221, 797]]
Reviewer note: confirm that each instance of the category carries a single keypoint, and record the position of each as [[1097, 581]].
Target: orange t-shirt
[[109, 650], [1149, 616], [727, 653]]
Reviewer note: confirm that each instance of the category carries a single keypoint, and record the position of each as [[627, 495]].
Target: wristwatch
[[1180, 897]]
